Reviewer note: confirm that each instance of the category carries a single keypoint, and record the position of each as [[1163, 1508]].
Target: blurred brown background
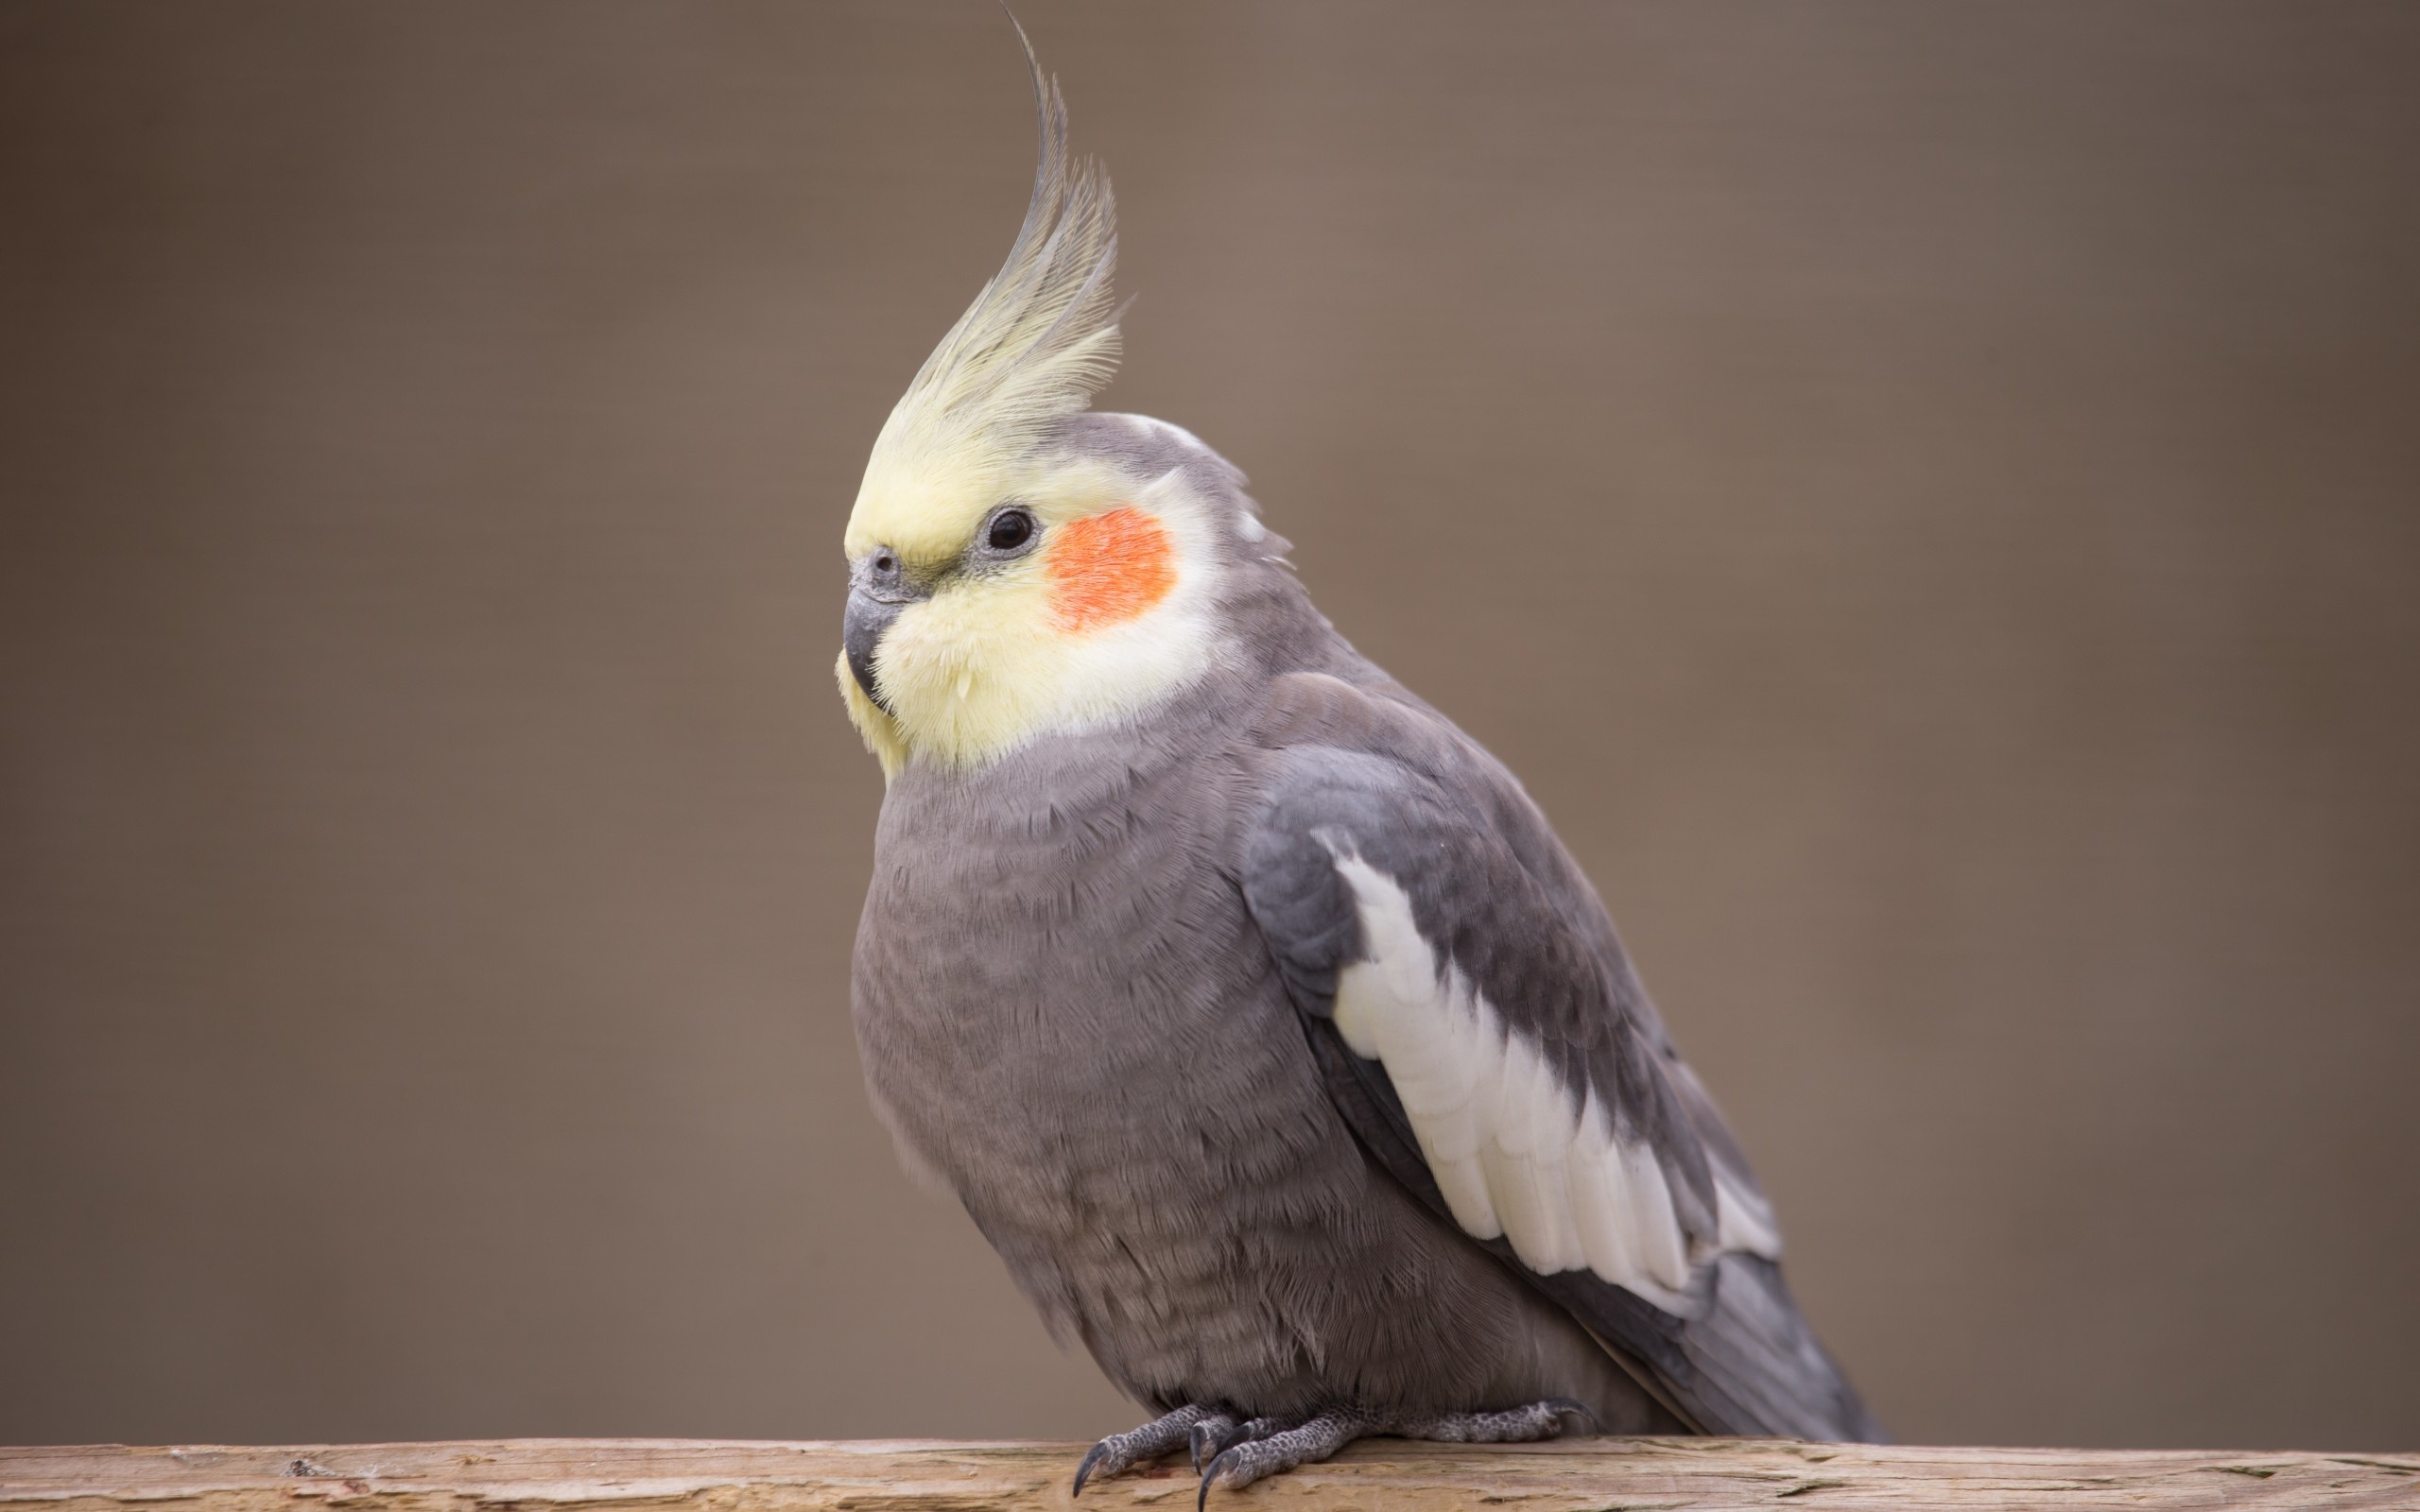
[[1928, 496]]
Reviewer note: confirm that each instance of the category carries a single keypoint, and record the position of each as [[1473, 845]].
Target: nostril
[[884, 563]]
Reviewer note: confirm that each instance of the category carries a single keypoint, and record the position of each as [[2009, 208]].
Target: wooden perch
[[560, 1475]]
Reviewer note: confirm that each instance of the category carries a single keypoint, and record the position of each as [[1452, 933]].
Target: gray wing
[[1478, 1025]]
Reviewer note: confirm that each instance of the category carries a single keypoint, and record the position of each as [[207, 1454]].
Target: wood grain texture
[[886, 1475]]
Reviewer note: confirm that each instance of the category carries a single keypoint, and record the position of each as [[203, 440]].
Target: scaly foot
[[1161, 1435], [1249, 1456]]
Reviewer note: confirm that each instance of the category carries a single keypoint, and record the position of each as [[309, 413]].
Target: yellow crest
[[1033, 347]]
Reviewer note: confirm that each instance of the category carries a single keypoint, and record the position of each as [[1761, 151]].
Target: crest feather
[[1039, 340]]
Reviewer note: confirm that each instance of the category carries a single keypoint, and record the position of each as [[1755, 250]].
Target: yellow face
[[989, 605]]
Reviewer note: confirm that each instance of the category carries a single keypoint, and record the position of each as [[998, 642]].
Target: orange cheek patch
[[1109, 567]]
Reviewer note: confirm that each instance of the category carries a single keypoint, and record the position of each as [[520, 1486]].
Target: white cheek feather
[[1115, 672], [1514, 1153]]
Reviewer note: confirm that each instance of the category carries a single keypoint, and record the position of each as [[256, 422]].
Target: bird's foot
[[1241, 1464], [1161, 1435], [1260, 1448]]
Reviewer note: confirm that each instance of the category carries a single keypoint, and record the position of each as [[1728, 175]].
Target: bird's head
[[1014, 567]]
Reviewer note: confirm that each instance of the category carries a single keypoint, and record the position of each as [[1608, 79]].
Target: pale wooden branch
[[1667, 1475]]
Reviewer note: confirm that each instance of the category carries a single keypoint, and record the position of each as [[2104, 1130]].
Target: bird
[[1252, 1009]]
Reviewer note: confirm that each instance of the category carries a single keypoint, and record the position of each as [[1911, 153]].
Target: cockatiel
[[1252, 1009]]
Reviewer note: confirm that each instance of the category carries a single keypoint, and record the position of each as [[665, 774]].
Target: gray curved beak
[[862, 624]]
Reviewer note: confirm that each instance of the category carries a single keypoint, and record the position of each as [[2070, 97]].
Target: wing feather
[[1476, 1023]]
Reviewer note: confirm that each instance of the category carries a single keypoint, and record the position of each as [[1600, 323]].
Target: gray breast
[[1064, 1011]]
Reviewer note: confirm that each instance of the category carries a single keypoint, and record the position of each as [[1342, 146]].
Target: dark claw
[[1120, 1452], [1092, 1462], [1566, 1407], [1210, 1478]]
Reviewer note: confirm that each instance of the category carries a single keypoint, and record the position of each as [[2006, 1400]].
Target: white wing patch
[[1514, 1153]]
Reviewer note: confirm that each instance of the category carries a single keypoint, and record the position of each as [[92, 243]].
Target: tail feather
[[1752, 1346]]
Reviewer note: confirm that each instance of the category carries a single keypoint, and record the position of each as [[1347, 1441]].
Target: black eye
[[1010, 528]]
